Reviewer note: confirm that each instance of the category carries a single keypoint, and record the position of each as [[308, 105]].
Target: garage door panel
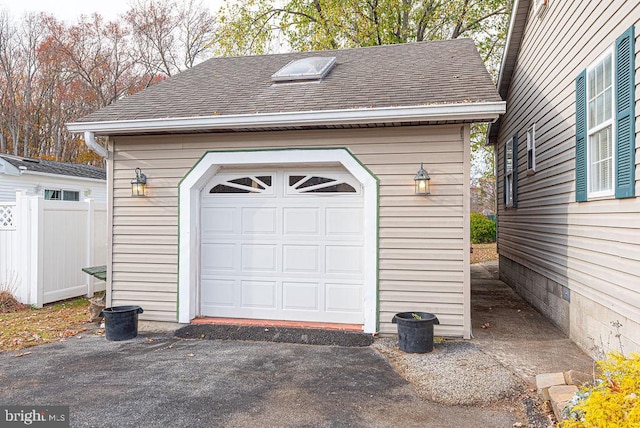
[[343, 297], [300, 296], [218, 257], [259, 294], [301, 221], [219, 292], [259, 257], [344, 222], [300, 258], [261, 220], [219, 221], [343, 259]]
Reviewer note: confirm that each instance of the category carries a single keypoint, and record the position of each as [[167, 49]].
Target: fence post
[[23, 243], [36, 251], [90, 242]]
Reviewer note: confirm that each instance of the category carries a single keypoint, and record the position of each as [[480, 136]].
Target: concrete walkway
[[515, 333]]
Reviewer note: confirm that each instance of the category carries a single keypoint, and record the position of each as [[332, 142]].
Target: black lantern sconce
[[139, 184], [422, 180]]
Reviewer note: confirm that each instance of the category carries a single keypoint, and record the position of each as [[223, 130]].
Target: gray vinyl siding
[[593, 247], [423, 241]]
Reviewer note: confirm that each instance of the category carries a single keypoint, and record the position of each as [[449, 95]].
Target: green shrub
[[483, 229]]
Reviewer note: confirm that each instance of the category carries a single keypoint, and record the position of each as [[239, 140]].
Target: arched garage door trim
[[189, 217]]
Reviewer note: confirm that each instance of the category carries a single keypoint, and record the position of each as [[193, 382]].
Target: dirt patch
[[484, 252], [25, 327]]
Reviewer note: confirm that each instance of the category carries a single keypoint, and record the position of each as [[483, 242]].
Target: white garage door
[[283, 244]]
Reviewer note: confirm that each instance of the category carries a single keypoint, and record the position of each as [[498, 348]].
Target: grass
[[484, 252], [30, 327]]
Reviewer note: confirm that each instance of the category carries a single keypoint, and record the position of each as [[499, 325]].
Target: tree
[[28, 37], [89, 65], [483, 163], [170, 37], [21, 98], [252, 26], [10, 81], [98, 54]]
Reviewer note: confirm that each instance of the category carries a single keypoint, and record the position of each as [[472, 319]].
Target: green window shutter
[[581, 137], [625, 115], [514, 141], [504, 175]]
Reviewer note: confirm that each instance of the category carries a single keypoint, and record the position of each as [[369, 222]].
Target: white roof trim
[[505, 51], [66, 176], [437, 112]]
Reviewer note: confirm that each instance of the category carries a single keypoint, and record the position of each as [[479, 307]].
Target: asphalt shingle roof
[[413, 74], [60, 168]]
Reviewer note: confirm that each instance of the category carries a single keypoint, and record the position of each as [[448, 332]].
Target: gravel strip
[[455, 373]]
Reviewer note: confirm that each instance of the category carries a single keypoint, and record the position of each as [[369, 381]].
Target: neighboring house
[[52, 180], [569, 230], [52, 224], [288, 193]]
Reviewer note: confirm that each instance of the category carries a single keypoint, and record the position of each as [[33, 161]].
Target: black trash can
[[415, 331], [121, 322]]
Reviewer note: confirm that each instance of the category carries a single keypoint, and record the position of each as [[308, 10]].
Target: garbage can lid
[[118, 309]]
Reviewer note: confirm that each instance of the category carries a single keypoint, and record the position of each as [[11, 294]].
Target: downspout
[[90, 141]]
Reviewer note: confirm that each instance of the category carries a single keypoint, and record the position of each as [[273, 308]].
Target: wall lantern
[[422, 181], [139, 184]]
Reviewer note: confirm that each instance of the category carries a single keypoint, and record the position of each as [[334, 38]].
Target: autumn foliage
[[614, 401], [53, 72]]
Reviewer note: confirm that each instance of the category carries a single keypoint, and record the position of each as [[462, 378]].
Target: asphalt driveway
[[161, 381]]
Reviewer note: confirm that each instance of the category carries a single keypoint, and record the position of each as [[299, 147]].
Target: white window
[[301, 184], [508, 174], [252, 185], [61, 195], [600, 124], [531, 149]]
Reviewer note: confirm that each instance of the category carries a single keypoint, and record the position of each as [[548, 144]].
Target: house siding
[[591, 249], [423, 264]]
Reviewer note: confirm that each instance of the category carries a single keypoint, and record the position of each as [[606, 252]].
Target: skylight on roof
[[312, 68]]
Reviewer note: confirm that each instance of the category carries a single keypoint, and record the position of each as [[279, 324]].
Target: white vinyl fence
[[45, 244]]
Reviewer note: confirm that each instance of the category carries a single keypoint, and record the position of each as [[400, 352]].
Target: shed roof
[[405, 75], [58, 168]]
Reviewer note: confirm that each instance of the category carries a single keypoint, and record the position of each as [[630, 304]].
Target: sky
[[69, 10]]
